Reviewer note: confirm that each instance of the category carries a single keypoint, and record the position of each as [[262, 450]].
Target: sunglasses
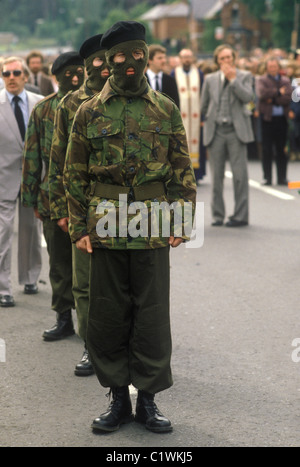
[[7, 74]]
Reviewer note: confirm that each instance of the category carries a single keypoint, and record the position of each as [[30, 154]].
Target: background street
[[235, 313]]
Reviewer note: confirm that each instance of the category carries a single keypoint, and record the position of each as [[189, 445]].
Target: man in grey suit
[[15, 107], [227, 130]]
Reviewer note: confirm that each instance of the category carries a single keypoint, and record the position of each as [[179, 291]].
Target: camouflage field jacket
[[120, 144], [35, 186], [63, 120]]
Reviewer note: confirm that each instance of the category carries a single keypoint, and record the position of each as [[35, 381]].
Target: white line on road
[[266, 189], [2, 351]]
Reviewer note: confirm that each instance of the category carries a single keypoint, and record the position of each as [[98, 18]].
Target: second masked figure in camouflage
[[69, 71], [128, 141], [97, 74]]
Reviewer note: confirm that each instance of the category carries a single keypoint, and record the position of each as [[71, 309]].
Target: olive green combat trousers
[[81, 275], [60, 266], [129, 336]]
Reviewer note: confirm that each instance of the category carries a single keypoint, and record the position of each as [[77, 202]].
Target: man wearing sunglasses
[[15, 107]]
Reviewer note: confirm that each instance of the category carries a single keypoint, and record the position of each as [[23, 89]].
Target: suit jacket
[[11, 147], [44, 83], [169, 87], [267, 89], [241, 93]]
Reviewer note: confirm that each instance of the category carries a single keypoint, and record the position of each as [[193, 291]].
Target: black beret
[[91, 46], [65, 59], [123, 31]]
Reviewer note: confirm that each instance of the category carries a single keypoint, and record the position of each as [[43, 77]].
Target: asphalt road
[[235, 317]]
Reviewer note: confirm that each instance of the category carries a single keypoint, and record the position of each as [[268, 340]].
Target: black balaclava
[[71, 62], [65, 82], [90, 50], [133, 85], [95, 81], [125, 37]]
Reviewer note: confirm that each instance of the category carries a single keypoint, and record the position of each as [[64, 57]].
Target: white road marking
[[266, 189], [2, 351]]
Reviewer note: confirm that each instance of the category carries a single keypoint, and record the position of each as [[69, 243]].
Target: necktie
[[35, 80], [156, 83], [226, 81], [19, 116]]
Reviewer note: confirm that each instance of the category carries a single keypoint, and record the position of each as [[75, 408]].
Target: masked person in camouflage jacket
[[127, 149], [69, 71], [97, 74]]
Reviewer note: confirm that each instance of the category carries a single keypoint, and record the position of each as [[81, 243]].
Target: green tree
[[283, 23], [257, 8]]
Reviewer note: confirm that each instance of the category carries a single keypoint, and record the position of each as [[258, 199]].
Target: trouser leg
[[109, 320], [29, 246], [267, 146], [151, 344], [280, 139], [217, 159], [60, 264], [7, 215], [238, 161], [81, 271]]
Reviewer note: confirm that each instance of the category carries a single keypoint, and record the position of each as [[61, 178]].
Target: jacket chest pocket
[[155, 137], [107, 142]]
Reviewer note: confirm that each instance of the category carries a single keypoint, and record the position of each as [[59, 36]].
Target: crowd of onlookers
[[39, 68]]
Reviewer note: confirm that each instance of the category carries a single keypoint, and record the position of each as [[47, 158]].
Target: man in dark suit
[[274, 93], [35, 61], [157, 79]]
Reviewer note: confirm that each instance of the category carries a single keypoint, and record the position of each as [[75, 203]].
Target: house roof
[[207, 9], [201, 9], [166, 11]]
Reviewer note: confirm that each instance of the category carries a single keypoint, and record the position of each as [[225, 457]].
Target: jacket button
[[104, 131]]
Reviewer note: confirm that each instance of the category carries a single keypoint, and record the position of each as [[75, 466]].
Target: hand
[[292, 115], [174, 242], [37, 214], [282, 90], [63, 223], [84, 244], [229, 71]]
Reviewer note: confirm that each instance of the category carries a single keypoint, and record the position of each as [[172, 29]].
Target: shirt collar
[[22, 96], [152, 75]]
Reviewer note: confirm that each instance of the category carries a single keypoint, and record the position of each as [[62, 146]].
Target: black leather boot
[[62, 328], [148, 414], [84, 367], [118, 412]]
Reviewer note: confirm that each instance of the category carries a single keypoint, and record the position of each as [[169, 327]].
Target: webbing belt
[[136, 193]]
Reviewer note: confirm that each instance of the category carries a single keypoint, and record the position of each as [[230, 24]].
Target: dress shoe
[[217, 223], [118, 412], [234, 223], [7, 301], [30, 289], [148, 414], [84, 367], [62, 328], [282, 182], [267, 183]]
